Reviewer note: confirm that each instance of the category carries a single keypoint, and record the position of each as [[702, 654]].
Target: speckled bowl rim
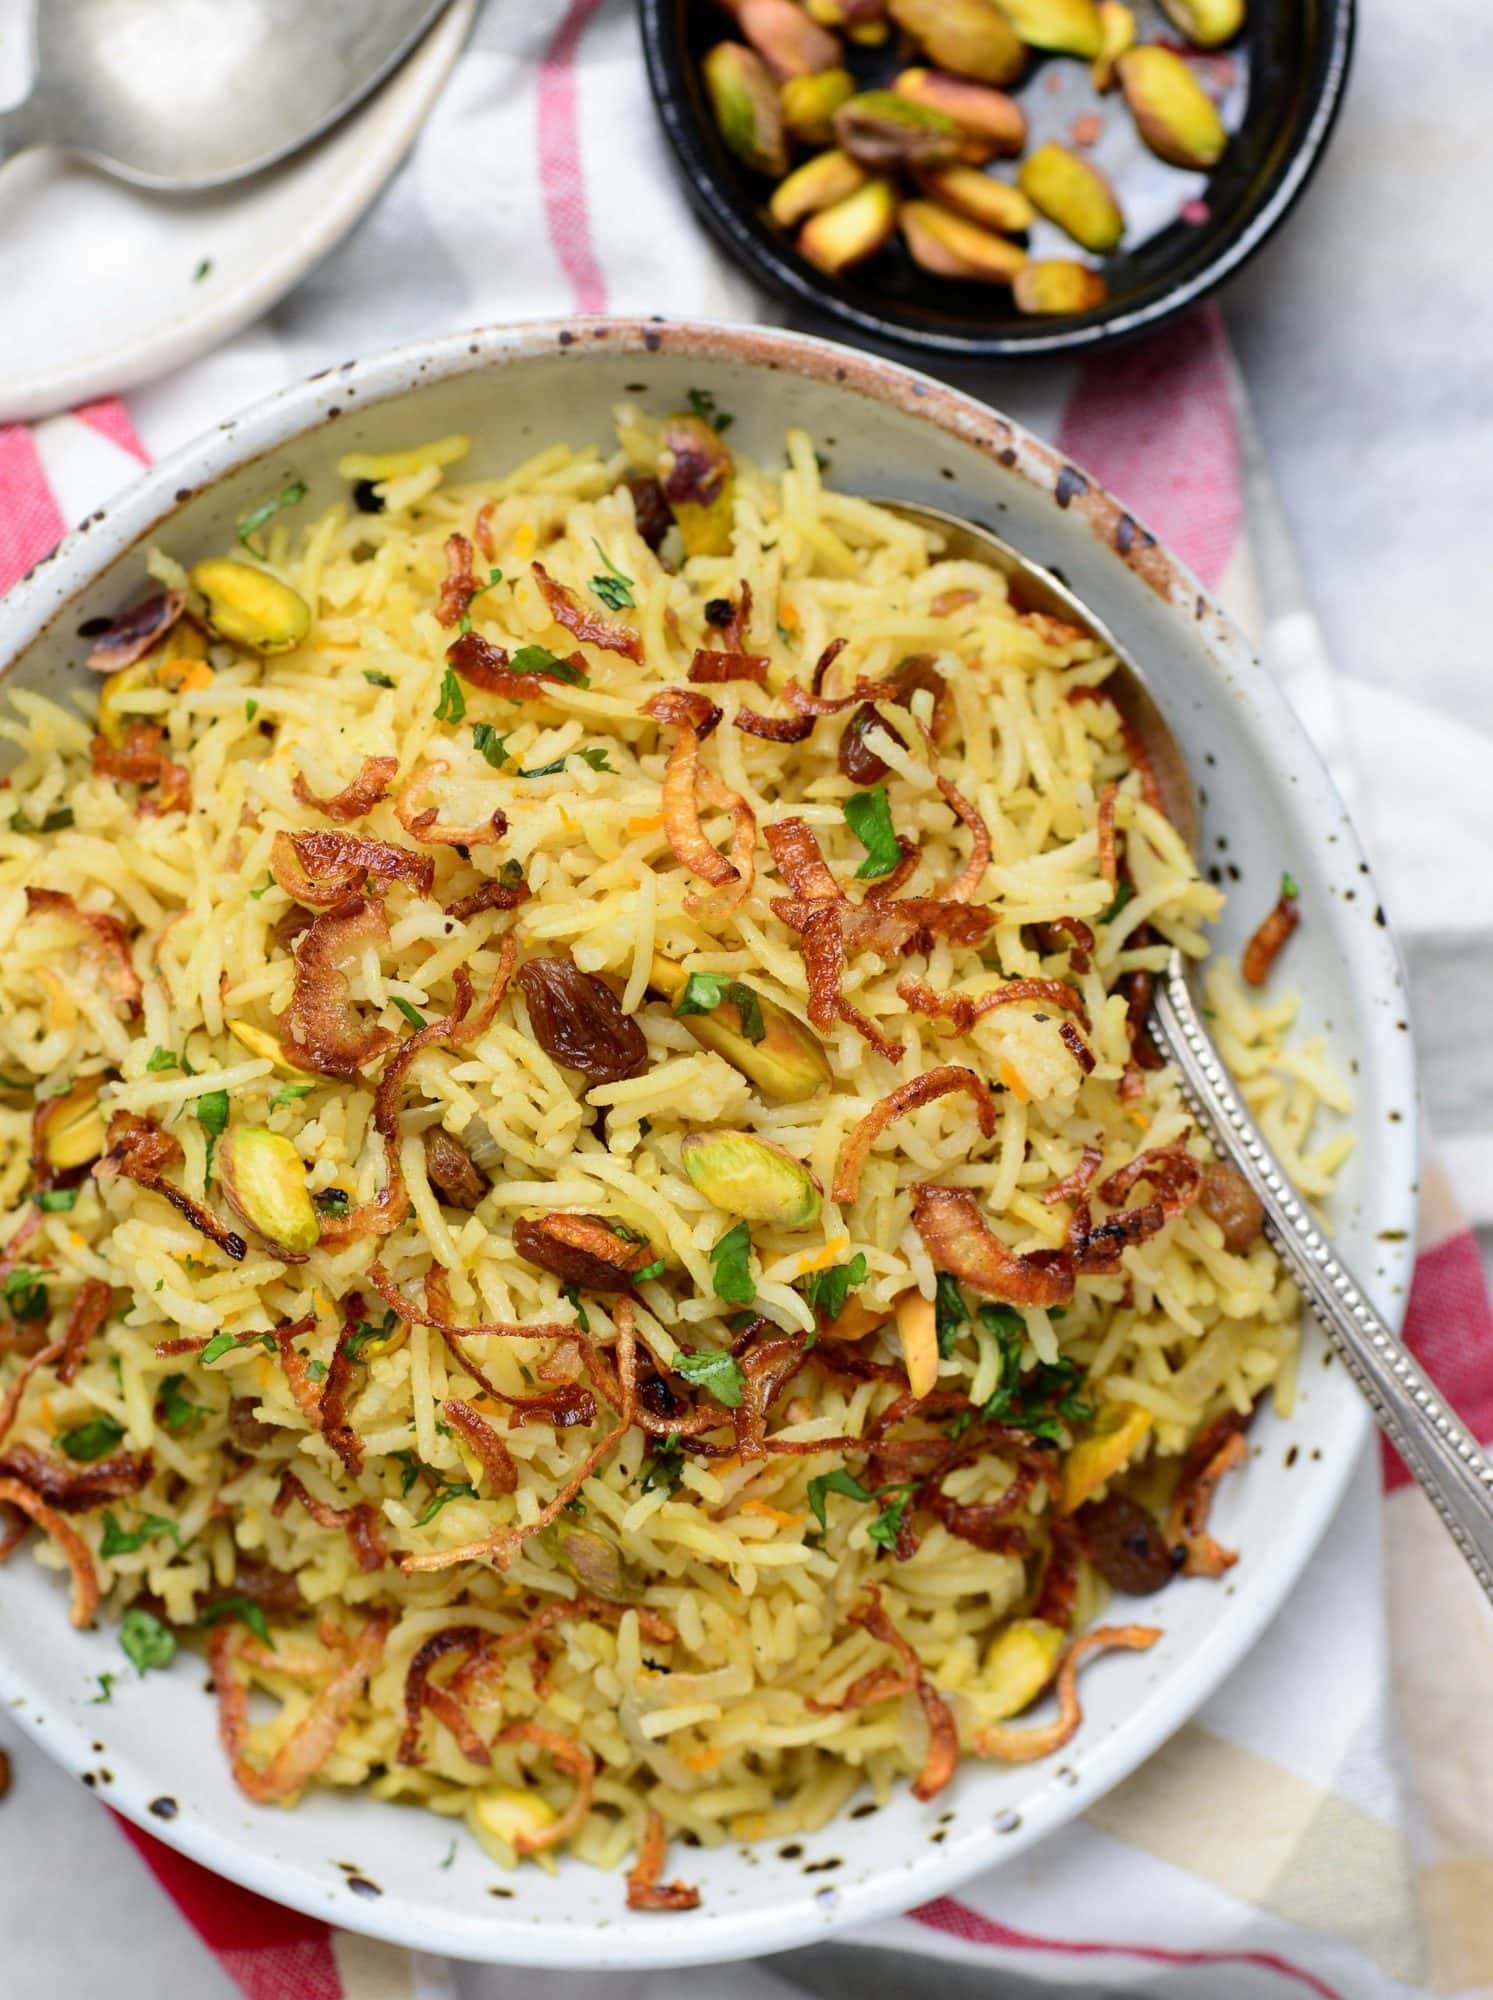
[[44, 596]]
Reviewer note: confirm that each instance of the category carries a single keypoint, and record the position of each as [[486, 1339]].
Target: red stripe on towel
[[562, 176], [31, 523], [958, 1920], [1155, 423], [1449, 1327]]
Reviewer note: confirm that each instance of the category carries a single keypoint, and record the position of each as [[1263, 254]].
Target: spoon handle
[[1427, 1433]]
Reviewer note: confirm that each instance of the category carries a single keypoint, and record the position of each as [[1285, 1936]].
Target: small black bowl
[[1282, 85]]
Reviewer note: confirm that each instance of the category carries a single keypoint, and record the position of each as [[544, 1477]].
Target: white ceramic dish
[[104, 286], [1268, 806]]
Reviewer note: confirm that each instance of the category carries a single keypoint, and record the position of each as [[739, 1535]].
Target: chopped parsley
[[204, 266], [105, 1690], [289, 1092], [179, 1413], [26, 1294], [366, 1331], [595, 756], [453, 1489], [452, 705], [162, 1059], [225, 1343], [263, 890], [410, 1012], [376, 677], [212, 1116], [1123, 893], [715, 1370], [869, 817], [827, 1291], [949, 1312], [731, 1258], [664, 1466], [654, 1270], [87, 1442], [703, 403], [540, 660], [333, 1201], [119, 1541], [250, 525], [1290, 888], [491, 745], [703, 992], [450, 1856], [841, 1480], [146, 1641], [315, 1370], [885, 1529], [57, 1201], [245, 1608], [54, 822], [614, 588], [573, 1293]]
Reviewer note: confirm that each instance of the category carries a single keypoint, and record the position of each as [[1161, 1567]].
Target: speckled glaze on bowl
[[152, 1752]]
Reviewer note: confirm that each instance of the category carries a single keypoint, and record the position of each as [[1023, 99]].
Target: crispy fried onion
[[497, 1460], [687, 781], [459, 585], [986, 1524], [368, 789], [1176, 1178], [492, 894], [15, 1394], [567, 610], [460, 1027], [320, 869], [359, 1522], [105, 943], [964, 1009], [89, 1311], [313, 1739], [962, 887], [331, 1408], [1135, 749], [960, 1241], [140, 1150], [485, 666], [571, 1757], [709, 667], [1079, 935], [1077, 1047], [425, 824], [133, 633], [1098, 1248], [829, 926], [504, 1542], [485, 1653], [908, 1096], [325, 1034], [1267, 943], [1215, 1451], [1025, 1745], [882, 1683], [1076, 1182], [644, 1890], [141, 760], [16, 1493], [77, 1489]]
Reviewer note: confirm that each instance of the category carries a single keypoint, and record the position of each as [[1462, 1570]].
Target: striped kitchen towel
[[1325, 1823]]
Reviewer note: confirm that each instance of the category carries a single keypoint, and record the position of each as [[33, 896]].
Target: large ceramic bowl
[[153, 1751]]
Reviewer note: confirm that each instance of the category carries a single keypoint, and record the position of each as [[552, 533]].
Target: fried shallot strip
[[1217, 1450], [572, 1757], [964, 1009], [368, 789], [358, 1522], [89, 1311], [15, 1394], [644, 1890], [15, 1493], [881, 1683], [314, 1738], [918, 1090], [567, 610], [960, 1241], [1269, 940], [1025, 1745], [140, 1150]]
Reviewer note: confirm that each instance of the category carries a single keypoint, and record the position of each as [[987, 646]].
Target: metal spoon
[[1433, 1441], [185, 94]]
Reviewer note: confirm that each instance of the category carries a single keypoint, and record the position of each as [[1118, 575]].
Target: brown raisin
[[452, 1170], [856, 759], [580, 1250], [578, 1021], [1125, 1544], [1233, 1204], [651, 511]]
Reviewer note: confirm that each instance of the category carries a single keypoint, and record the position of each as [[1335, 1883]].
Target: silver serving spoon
[[1433, 1441], [185, 94]]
